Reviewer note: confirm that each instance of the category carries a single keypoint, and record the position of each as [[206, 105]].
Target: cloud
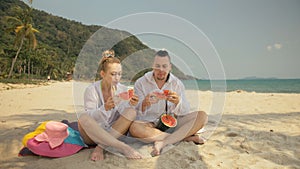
[[269, 47], [275, 46]]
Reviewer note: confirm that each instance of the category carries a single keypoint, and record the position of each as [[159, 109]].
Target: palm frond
[[12, 20], [18, 28], [34, 30], [32, 40]]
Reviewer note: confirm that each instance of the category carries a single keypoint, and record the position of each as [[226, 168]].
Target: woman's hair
[[105, 61], [108, 53]]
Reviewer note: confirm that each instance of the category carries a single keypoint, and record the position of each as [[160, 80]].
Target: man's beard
[[162, 79]]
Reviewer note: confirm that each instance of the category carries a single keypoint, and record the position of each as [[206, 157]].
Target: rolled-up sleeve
[[183, 107], [91, 106], [138, 89]]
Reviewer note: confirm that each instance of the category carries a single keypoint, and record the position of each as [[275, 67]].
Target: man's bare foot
[[197, 139], [158, 145], [130, 153], [97, 154]]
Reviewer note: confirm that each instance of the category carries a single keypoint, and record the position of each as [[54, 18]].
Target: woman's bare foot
[[197, 139], [130, 153], [158, 145], [97, 154]]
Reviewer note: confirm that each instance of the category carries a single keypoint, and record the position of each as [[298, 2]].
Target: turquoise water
[[257, 85]]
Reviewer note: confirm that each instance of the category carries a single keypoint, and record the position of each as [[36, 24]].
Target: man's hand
[[149, 99], [173, 97]]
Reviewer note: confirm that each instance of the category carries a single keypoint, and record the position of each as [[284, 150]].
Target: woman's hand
[[109, 104], [134, 100]]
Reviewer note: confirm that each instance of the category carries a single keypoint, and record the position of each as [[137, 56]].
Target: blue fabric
[[74, 138]]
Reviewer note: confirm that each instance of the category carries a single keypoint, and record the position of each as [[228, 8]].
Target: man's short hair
[[163, 53]]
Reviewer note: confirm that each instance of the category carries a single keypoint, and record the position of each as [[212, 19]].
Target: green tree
[[22, 27]]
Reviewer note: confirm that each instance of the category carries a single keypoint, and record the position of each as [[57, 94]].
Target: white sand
[[256, 131]]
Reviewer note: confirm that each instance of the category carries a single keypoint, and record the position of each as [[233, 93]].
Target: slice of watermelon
[[160, 95], [126, 95], [166, 92], [130, 92]]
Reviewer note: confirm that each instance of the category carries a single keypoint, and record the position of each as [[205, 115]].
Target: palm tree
[[22, 27]]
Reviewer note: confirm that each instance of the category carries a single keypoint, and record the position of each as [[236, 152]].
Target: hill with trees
[[59, 42]]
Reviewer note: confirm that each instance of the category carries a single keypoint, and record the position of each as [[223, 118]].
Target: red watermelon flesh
[[166, 92], [160, 95], [130, 92], [126, 95], [169, 120]]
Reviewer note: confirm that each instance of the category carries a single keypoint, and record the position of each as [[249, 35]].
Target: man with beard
[[152, 105]]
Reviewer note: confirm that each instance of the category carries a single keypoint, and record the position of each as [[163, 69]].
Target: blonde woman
[[104, 121]]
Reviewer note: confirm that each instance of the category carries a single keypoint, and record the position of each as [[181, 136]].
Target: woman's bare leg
[[102, 137], [97, 154], [122, 124]]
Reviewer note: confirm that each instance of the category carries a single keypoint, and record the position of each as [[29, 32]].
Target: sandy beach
[[257, 130]]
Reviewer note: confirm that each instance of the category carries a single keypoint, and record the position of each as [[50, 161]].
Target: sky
[[250, 37]]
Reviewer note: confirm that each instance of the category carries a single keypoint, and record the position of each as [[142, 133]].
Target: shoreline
[[13, 86]]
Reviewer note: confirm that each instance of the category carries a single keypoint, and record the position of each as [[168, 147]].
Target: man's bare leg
[[188, 126], [197, 139], [146, 132]]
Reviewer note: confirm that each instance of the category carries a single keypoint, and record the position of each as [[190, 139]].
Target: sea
[[249, 85]]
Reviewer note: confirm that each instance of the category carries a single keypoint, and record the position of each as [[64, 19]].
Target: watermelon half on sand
[[166, 121]]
